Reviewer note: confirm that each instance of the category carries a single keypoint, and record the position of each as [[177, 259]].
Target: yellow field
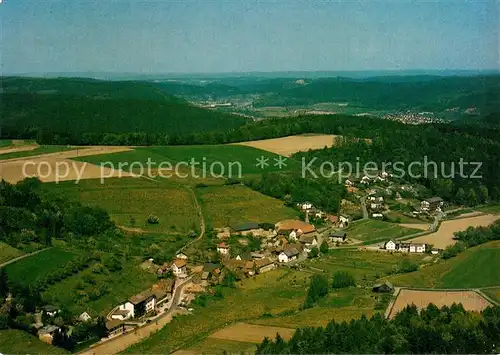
[[289, 145], [252, 333], [444, 236]]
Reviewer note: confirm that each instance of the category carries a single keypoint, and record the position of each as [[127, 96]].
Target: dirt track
[[23, 148], [251, 333], [45, 166], [444, 235], [289, 145], [471, 300]]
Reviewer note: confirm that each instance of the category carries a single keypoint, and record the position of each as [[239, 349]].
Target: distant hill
[[73, 106], [421, 92]]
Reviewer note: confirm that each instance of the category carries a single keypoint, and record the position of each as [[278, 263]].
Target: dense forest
[[433, 330], [82, 111]]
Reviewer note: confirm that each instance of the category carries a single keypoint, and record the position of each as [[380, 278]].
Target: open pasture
[[444, 235], [224, 205], [471, 300], [14, 341], [136, 198], [8, 252], [219, 346], [369, 230]]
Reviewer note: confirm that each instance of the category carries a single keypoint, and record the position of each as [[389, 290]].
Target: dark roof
[[113, 324], [160, 294], [205, 275], [210, 267], [239, 227], [263, 262], [50, 308], [338, 234], [434, 199], [245, 255], [141, 297], [291, 252]]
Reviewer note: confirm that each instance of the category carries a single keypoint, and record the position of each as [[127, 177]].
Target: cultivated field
[[219, 346], [44, 160], [289, 145], [471, 300], [421, 226], [223, 205], [252, 333], [493, 293], [444, 235]]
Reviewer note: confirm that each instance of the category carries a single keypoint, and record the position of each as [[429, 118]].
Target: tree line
[[432, 330], [472, 237]]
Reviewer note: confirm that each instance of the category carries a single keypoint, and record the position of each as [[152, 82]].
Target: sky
[[162, 36]]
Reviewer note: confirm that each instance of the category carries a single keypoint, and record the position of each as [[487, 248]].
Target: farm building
[[383, 287], [337, 236], [181, 255], [390, 245], [245, 228], [431, 204], [289, 225], [309, 241], [264, 265]]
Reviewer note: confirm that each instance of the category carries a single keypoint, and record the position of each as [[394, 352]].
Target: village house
[[343, 221], [257, 256], [288, 254], [365, 180], [390, 245], [417, 248], [244, 256], [305, 206], [333, 219], [309, 241], [431, 204], [264, 265], [181, 255], [179, 267], [293, 236], [377, 215], [50, 310], [337, 237], [223, 248]]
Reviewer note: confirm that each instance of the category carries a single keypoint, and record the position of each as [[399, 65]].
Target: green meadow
[[371, 231], [43, 149]]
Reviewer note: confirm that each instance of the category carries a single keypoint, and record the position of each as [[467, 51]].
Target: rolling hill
[[67, 107]]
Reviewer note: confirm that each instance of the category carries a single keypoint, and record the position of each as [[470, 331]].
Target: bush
[[152, 219], [324, 247], [313, 253], [406, 266], [342, 279]]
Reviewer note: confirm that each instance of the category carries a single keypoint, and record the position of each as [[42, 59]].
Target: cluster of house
[[366, 179], [404, 247], [340, 221], [47, 332]]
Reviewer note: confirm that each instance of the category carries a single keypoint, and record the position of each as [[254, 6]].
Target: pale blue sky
[[223, 36]]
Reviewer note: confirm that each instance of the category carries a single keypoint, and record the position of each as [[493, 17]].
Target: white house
[[288, 255], [377, 215], [365, 180], [390, 245], [50, 310], [434, 251], [136, 306], [179, 267], [417, 248], [181, 255], [348, 182], [305, 206], [223, 249], [84, 317], [293, 236], [343, 221]]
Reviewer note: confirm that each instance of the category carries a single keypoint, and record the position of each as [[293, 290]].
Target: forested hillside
[[70, 110], [433, 330]]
